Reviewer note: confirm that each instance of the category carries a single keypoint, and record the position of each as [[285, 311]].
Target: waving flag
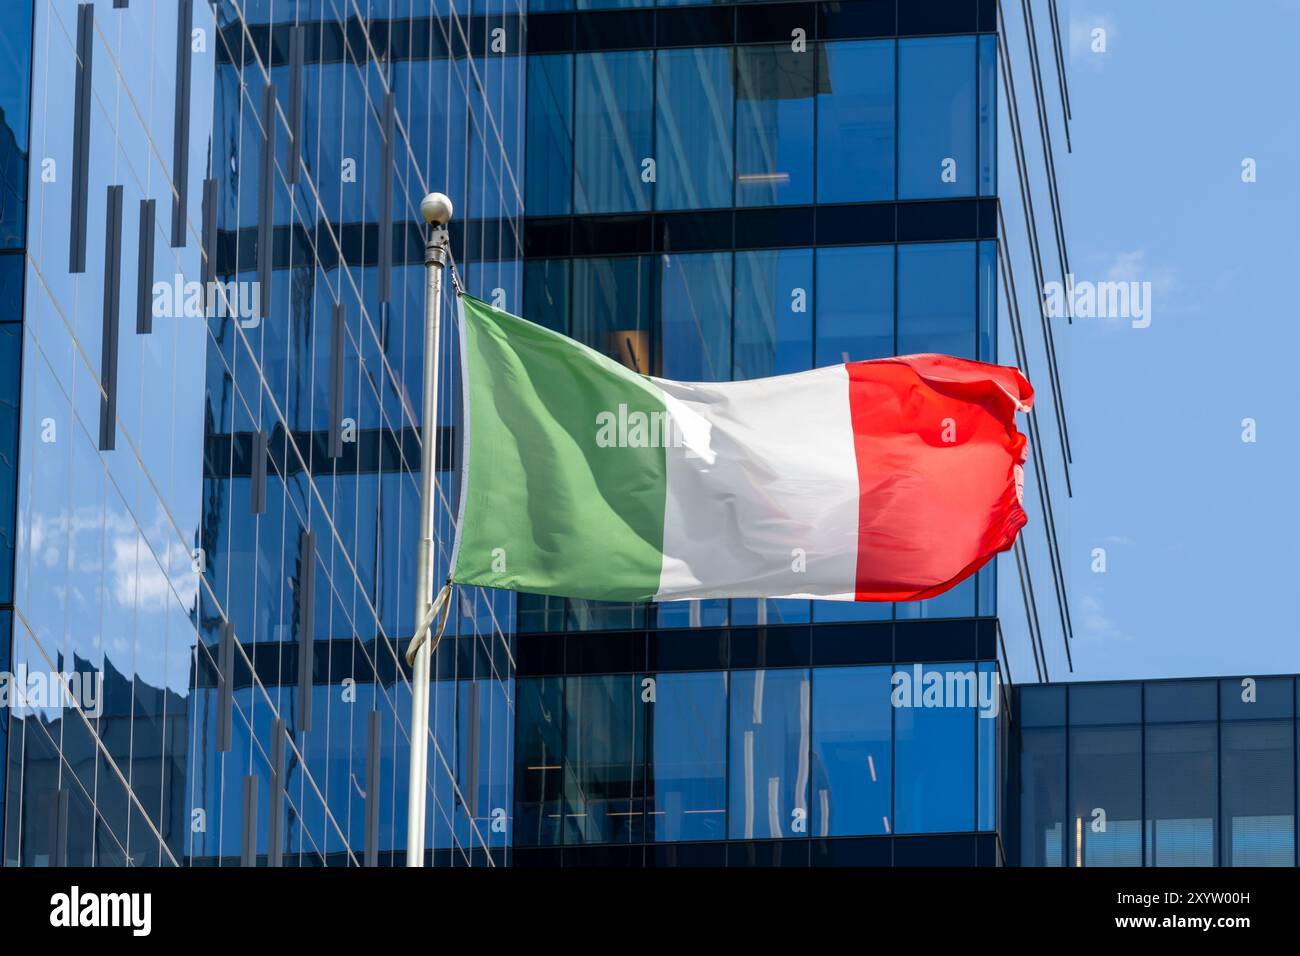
[[887, 480]]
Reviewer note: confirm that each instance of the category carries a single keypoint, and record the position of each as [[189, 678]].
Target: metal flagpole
[[436, 210]]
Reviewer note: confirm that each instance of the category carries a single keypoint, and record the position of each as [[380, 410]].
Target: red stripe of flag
[[939, 470]]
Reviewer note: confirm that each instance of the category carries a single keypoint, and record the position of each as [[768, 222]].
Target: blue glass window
[[773, 312], [539, 761], [1105, 773], [1181, 792], [774, 126], [851, 762], [769, 754], [693, 144], [695, 316], [855, 304], [1042, 790], [988, 313], [855, 121], [988, 118], [611, 308], [11, 348], [15, 92], [934, 749], [937, 302], [548, 176], [546, 293], [604, 759], [937, 117], [1258, 781], [686, 793], [613, 131]]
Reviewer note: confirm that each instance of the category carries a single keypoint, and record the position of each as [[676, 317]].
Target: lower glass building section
[[1156, 773], [736, 760]]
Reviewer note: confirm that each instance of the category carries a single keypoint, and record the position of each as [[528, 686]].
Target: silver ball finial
[[436, 209]]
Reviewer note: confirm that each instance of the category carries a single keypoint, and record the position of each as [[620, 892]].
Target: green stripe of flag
[[595, 515]]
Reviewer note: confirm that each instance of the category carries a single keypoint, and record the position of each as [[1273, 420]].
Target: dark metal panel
[[336, 383], [225, 686], [248, 835], [386, 198], [257, 484], [306, 625], [373, 754], [266, 201], [275, 822], [144, 270], [81, 137], [297, 54], [181, 130], [112, 303]]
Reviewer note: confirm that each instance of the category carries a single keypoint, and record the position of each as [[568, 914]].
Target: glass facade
[[217, 481], [731, 760], [1157, 773]]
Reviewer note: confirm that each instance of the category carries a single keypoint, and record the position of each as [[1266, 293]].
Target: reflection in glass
[[1258, 792], [548, 176], [604, 758], [693, 138], [936, 117], [855, 304], [769, 754], [1042, 795], [686, 787], [937, 302], [774, 126], [611, 308], [1105, 796], [934, 750], [539, 756], [851, 751], [1181, 794], [773, 312], [613, 129], [855, 122], [696, 317]]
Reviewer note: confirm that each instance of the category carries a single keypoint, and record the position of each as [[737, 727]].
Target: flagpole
[[436, 210]]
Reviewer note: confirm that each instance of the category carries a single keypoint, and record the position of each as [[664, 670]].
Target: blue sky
[[1200, 528]]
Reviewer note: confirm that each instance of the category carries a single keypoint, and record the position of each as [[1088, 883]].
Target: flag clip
[[440, 610]]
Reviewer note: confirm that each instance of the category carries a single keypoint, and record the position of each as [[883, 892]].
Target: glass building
[[210, 434], [1156, 773], [207, 587]]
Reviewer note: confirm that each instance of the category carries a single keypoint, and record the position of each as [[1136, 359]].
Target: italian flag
[[887, 480]]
